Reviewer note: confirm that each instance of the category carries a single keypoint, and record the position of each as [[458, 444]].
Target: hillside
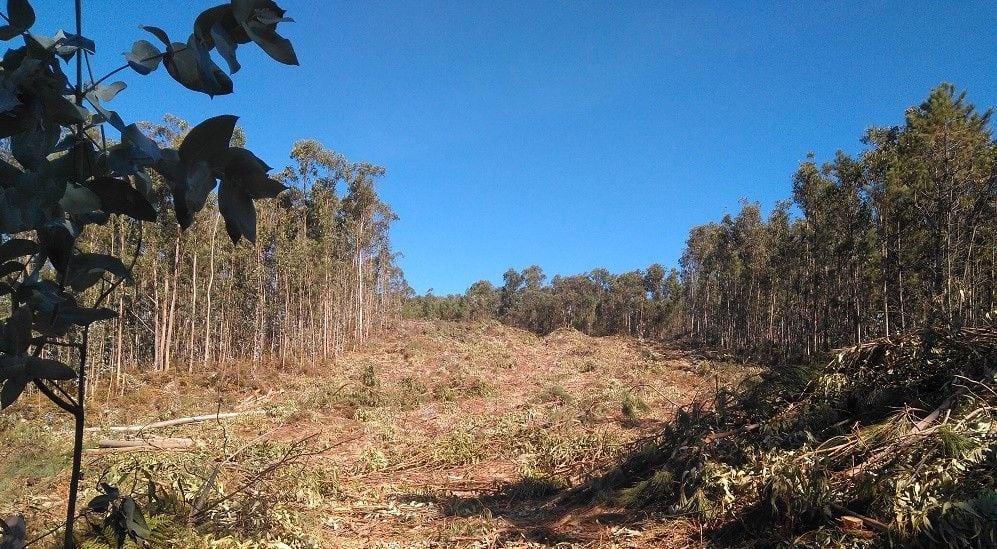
[[436, 434]]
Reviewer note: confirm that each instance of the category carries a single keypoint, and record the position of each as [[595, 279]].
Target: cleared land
[[435, 435]]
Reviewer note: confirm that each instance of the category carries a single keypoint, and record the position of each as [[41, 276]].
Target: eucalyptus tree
[[66, 175], [902, 235]]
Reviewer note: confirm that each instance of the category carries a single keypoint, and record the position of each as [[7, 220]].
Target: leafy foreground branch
[[892, 443], [61, 175]]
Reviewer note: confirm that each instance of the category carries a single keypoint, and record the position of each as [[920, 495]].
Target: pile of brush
[[891, 443]]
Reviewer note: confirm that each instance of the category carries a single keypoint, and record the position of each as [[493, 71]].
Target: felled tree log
[[146, 444], [172, 422]]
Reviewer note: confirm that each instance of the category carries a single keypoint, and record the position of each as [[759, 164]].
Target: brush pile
[[890, 444]]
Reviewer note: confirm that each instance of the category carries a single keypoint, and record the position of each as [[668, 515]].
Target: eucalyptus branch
[[103, 136], [104, 78], [69, 406]]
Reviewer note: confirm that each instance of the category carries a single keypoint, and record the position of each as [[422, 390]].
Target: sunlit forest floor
[[434, 435]]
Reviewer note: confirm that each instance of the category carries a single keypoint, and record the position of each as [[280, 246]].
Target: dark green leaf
[[110, 116], [17, 331], [188, 65], [134, 520], [21, 14], [242, 9], [8, 98], [100, 503], [207, 19], [17, 247], [226, 46], [141, 142], [276, 46], [246, 171], [213, 78], [79, 200], [200, 183], [39, 46], [30, 148], [237, 208], [158, 33], [107, 93], [84, 316], [44, 368], [85, 270], [8, 32], [56, 240], [32, 201], [208, 141], [12, 389], [118, 197], [12, 367], [11, 267], [144, 57], [66, 112], [67, 44], [17, 529], [76, 164]]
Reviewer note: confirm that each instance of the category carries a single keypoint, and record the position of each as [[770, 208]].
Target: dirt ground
[[434, 435]]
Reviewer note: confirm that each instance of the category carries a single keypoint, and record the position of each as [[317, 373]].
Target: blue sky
[[572, 135]]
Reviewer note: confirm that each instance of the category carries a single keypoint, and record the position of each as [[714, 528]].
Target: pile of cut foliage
[[890, 444]]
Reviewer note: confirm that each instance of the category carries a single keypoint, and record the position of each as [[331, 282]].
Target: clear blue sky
[[573, 134]]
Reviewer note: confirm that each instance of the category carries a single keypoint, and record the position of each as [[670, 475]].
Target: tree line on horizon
[[321, 276], [900, 236]]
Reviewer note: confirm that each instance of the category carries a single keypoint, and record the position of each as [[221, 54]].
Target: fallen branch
[[172, 422], [717, 436], [152, 443]]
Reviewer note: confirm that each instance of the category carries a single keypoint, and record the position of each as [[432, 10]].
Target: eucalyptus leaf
[[46, 368], [238, 210], [56, 240], [110, 116], [79, 316], [21, 14], [275, 45], [226, 46], [8, 98], [17, 247], [78, 200], [67, 44], [200, 183], [143, 57], [208, 141], [108, 92], [44, 296], [118, 197], [12, 366], [32, 201], [158, 33], [32, 147], [209, 18], [245, 170], [134, 520], [9, 32], [141, 142], [17, 331], [10, 268], [87, 269], [100, 503], [12, 389]]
